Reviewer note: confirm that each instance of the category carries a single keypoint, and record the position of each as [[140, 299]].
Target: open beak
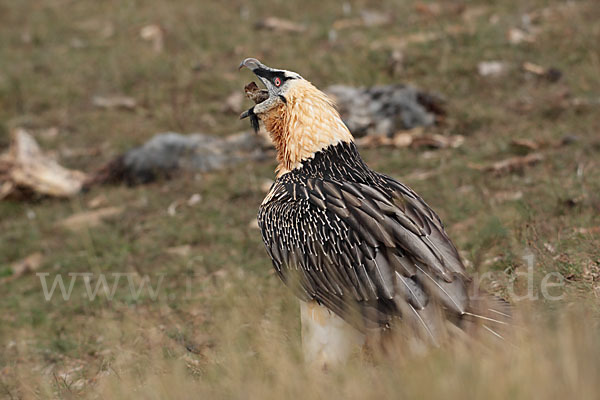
[[259, 69]]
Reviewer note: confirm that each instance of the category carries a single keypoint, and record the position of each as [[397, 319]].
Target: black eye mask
[[271, 75]]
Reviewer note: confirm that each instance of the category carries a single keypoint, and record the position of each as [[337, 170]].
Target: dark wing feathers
[[378, 246], [411, 291]]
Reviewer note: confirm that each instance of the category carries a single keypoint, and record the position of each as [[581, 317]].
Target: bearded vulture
[[362, 251]]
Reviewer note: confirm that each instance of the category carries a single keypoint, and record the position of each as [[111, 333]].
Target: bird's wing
[[371, 244]]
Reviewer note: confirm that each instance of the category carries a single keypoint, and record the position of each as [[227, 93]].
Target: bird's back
[[361, 243]]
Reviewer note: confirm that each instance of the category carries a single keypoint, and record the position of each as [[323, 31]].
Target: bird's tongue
[[256, 94]]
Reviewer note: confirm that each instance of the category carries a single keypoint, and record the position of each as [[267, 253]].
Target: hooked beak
[[252, 64], [259, 69]]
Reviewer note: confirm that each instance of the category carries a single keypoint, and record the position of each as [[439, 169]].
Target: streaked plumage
[[355, 241]]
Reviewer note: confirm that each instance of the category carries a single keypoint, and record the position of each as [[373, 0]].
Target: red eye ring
[[277, 81]]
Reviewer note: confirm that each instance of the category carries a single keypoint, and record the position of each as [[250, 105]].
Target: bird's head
[[300, 119]]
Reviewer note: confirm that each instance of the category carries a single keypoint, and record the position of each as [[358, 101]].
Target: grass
[[223, 326]]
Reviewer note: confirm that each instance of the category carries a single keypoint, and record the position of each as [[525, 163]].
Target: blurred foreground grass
[[223, 326]]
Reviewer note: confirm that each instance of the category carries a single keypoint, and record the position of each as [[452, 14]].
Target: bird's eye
[[277, 81]]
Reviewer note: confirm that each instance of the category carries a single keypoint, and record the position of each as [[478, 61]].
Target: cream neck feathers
[[305, 124]]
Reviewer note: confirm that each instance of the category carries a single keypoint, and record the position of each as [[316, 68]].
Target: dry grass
[[550, 356], [223, 326]]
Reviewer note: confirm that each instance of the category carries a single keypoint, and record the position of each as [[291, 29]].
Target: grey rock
[[167, 153], [386, 109]]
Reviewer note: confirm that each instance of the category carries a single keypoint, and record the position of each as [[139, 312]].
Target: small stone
[[194, 199], [491, 68]]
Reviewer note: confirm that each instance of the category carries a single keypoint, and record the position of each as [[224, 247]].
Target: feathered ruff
[[304, 124]]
